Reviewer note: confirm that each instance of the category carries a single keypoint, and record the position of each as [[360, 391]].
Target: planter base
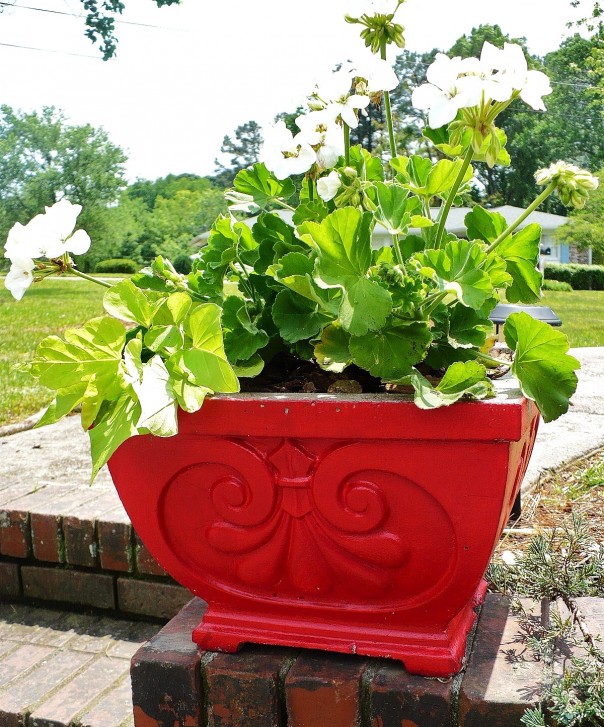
[[437, 654]]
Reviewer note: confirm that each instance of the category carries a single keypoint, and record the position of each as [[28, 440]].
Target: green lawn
[[581, 313], [55, 304], [47, 307]]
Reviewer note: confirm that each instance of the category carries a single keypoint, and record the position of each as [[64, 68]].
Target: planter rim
[[369, 416]]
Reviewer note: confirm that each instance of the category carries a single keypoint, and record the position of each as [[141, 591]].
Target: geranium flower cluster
[[334, 102], [499, 75], [49, 235]]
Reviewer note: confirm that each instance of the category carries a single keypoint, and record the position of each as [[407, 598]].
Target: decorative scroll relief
[[291, 523]]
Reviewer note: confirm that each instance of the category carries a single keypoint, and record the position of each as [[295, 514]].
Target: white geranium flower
[[319, 130], [447, 91], [512, 67], [158, 403], [285, 154], [334, 95], [48, 234], [327, 187], [378, 73], [19, 277]]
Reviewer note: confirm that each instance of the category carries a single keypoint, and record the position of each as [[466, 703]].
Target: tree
[[244, 150], [100, 22], [585, 227], [42, 158]]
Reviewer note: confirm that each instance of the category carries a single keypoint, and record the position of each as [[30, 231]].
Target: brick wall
[[72, 544], [174, 682]]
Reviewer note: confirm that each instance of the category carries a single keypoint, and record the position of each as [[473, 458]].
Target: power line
[[47, 50], [81, 15]]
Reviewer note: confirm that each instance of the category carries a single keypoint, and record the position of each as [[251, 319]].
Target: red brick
[[112, 710], [80, 528], [77, 695], [21, 660], [114, 533], [145, 562], [68, 586], [166, 674], [21, 694], [15, 537], [399, 698], [46, 523], [10, 585], [502, 679], [325, 689], [244, 688], [150, 598]]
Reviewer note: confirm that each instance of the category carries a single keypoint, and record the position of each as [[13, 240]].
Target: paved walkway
[[59, 669]]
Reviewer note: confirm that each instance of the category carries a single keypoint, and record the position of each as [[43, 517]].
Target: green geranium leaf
[[521, 255], [332, 352], [399, 166], [418, 169], [315, 211], [92, 351], [250, 368], [242, 337], [484, 225], [420, 221], [541, 364], [442, 176], [206, 369], [263, 186], [440, 139], [391, 352], [457, 271], [365, 307], [394, 206], [368, 167], [275, 238], [462, 379], [297, 318], [467, 327], [128, 303], [115, 423], [343, 244], [495, 267]]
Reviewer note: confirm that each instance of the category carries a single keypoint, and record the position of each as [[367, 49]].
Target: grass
[[47, 307], [56, 304], [581, 313]]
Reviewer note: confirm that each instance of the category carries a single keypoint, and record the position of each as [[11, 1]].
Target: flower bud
[[572, 183]]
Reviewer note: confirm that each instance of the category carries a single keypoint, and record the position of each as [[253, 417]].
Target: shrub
[[557, 285], [183, 264], [579, 277], [117, 265]]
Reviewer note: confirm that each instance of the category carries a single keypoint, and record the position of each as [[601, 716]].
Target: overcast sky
[[175, 90]]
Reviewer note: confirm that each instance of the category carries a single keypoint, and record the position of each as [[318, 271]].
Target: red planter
[[350, 523]]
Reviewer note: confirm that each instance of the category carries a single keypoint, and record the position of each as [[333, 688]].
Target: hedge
[[579, 277], [557, 285], [117, 265]]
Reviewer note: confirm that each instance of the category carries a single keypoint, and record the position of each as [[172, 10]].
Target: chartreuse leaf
[[207, 369], [115, 423], [297, 318], [263, 186], [521, 255], [365, 307], [128, 303], [172, 310], [189, 397], [203, 325], [456, 270], [391, 352], [484, 225], [242, 338], [164, 339], [92, 351], [541, 364], [332, 352], [462, 379], [65, 401]]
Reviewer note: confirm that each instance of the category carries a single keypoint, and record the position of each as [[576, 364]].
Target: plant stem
[[489, 359], [433, 300], [388, 108], [347, 143], [311, 188], [442, 218], [89, 277], [397, 252], [531, 208]]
